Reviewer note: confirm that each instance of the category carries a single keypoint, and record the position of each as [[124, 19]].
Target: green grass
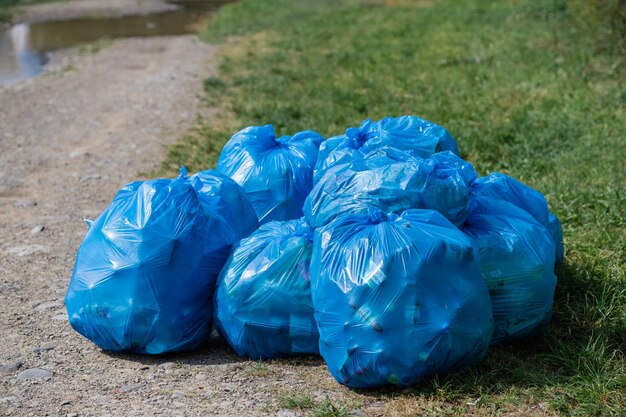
[[305, 402], [297, 402], [257, 369], [534, 89]]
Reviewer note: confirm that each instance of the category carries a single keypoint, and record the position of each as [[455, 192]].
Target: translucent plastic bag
[[504, 188], [277, 173], [411, 134], [556, 231], [441, 182], [263, 297], [517, 260], [397, 298], [145, 274]]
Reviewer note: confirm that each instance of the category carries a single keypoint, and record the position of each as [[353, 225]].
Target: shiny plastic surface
[[263, 296], [393, 183], [145, 273], [397, 298], [504, 188], [556, 231], [406, 133], [517, 260], [277, 173]]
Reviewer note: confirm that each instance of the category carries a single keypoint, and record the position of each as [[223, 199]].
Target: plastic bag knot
[[358, 135], [182, 173], [304, 229]]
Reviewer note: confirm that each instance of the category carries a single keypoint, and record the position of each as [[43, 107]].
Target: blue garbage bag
[[517, 260], [411, 134], [556, 231], [441, 182], [397, 298], [505, 188], [145, 273], [263, 296], [277, 173]]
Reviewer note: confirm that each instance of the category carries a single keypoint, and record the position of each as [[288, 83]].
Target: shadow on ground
[[586, 326]]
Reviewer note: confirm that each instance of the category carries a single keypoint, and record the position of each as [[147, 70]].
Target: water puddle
[[24, 47]]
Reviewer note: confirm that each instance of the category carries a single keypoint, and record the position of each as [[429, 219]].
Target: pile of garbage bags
[[380, 249]]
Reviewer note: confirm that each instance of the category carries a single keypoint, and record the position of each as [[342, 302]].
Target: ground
[[521, 95]]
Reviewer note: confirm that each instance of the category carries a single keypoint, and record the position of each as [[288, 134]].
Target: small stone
[[229, 386], [66, 403], [37, 229], [40, 349], [8, 368], [48, 305], [90, 177], [71, 415], [167, 365], [129, 388], [60, 317], [355, 413], [78, 153], [474, 403], [24, 203], [226, 404], [25, 250], [34, 373], [285, 413]]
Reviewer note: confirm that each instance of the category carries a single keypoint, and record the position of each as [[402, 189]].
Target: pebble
[[34, 373], [37, 229], [71, 415], [48, 305], [24, 203], [40, 349], [8, 368], [60, 317], [129, 388], [94, 177], [285, 413], [78, 153], [167, 365], [355, 413], [25, 250], [229, 386]]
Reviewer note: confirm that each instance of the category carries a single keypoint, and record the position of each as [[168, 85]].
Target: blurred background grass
[[534, 89], [9, 7]]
